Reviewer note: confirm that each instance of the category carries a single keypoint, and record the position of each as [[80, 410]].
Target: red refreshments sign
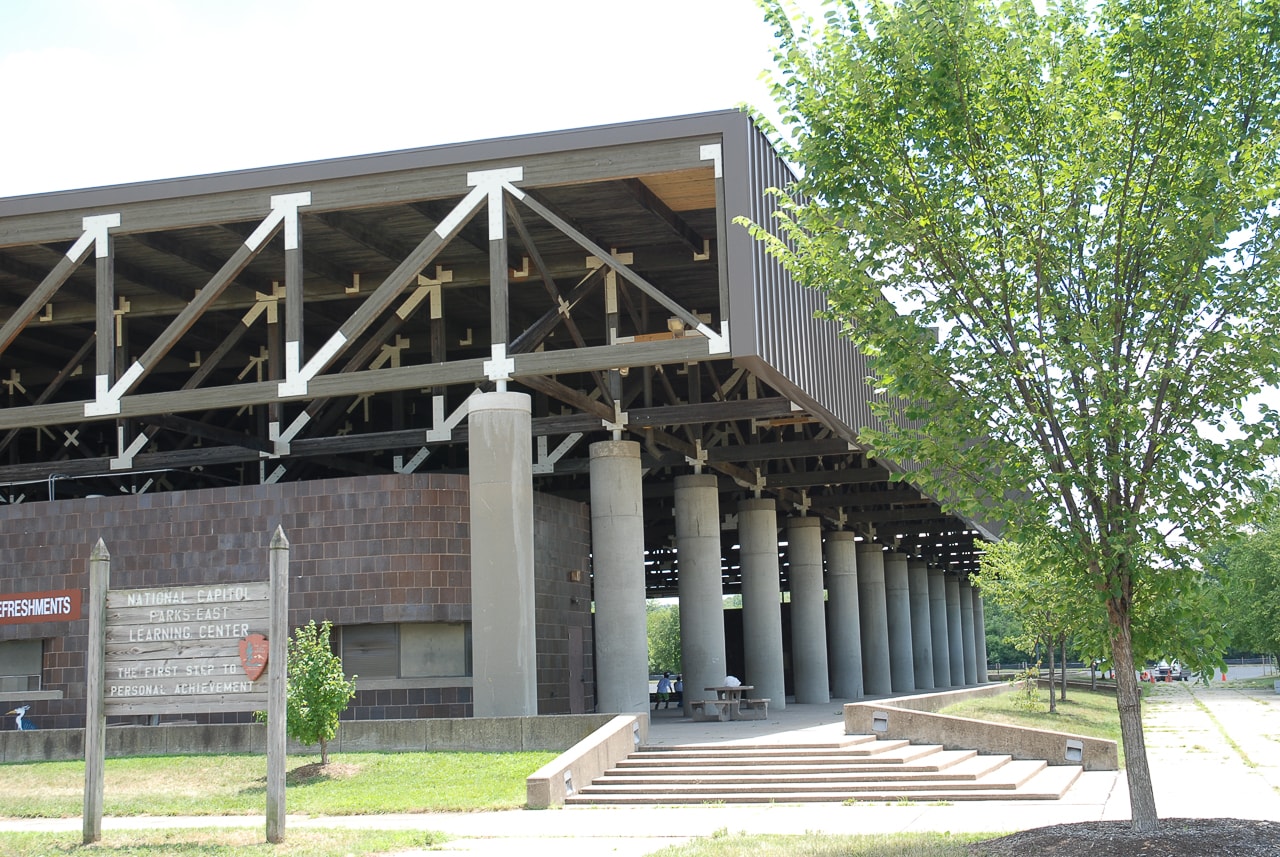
[[61, 605]]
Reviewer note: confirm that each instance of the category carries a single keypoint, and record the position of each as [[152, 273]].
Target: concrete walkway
[[1213, 751]]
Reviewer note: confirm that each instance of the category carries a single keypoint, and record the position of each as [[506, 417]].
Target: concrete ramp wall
[[913, 718]]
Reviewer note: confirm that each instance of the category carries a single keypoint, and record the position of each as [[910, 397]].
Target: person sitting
[[678, 688]]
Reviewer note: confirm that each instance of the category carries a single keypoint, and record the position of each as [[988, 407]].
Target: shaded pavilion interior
[[332, 318]]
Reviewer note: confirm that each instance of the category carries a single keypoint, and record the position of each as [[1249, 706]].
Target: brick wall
[[367, 549]]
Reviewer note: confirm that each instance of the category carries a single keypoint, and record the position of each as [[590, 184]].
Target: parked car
[[1166, 671]]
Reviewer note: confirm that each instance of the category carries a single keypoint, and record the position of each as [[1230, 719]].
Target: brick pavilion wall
[[364, 550]]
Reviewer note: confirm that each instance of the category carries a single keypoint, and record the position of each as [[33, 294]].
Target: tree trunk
[[324, 752], [1142, 799], [1063, 694], [1053, 703]]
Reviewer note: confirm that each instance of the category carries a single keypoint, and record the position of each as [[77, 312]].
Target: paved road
[[1214, 752]]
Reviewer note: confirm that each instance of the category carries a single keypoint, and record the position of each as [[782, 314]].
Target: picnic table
[[728, 702]]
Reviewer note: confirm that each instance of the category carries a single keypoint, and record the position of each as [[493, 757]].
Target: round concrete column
[[503, 634], [617, 564], [980, 635], [921, 631], [701, 595], [898, 602], [966, 631], [954, 645], [873, 620], [844, 643], [808, 611], [761, 601], [938, 626]]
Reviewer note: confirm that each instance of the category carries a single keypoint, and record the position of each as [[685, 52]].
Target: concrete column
[[898, 602], [701, 595], [761, 601], [844, 643], [938, 626], [503, 635], [954, 644], [808, 611], [966, 631], [921, 630], [873, 620], [617, 564], [980, 635]]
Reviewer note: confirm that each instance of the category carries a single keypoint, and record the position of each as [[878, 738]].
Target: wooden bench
[[710, 709], [760, 705]]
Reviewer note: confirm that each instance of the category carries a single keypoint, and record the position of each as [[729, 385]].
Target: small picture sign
[[253, 655]]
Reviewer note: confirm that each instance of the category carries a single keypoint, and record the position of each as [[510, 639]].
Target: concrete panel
[[761, 600], [808, 612], [698, 550], [898, 608], [499, 734], [968, 648], [921, 627], [938, 627], [503, 630], [844, 640], [874, 621], [617, 550]]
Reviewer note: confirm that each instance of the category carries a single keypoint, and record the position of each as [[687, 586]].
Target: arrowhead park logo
[[253, 655]]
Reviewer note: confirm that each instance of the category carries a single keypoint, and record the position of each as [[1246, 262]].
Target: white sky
[[131, 90]]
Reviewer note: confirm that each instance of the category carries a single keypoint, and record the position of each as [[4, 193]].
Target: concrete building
[[484, 388]]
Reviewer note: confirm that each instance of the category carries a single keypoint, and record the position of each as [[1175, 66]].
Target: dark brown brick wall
[[367, 549]]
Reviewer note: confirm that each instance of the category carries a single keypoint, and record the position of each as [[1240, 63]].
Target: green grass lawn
[[819, 845], [314, 842], [352, 783], [1083, 713], [221, 842]]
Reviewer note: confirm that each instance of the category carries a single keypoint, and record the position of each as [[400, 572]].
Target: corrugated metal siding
[[807, 351]]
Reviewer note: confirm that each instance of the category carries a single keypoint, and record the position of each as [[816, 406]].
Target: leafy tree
[[1041, 591], [1252, 586], [318, 691], [663, 625], [1003, 630], [1076, 211]]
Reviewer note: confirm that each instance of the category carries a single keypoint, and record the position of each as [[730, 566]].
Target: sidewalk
[[1197, 773]]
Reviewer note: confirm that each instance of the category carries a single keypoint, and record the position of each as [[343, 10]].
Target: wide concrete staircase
[[853, 768]]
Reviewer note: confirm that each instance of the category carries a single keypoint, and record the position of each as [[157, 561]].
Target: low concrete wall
[[942, 698], [551, 732], [583, 762], [901, 719]]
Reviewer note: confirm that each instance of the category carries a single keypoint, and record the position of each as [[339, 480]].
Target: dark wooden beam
[[653, 204], [775, 451], [194, 428]]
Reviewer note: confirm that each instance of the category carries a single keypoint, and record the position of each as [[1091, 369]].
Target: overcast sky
[[101, 92]]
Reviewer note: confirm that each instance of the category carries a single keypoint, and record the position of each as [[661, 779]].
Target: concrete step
[[970, 768], [883, 751], [1006, 778], [857, 770], [1047, 783]]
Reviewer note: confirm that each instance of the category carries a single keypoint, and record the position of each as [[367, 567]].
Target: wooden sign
[[178, 649], [186, 649]]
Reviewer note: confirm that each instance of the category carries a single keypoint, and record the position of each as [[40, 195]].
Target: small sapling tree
[[318, 690]]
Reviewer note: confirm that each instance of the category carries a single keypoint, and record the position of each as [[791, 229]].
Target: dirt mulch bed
[[1177, 837]]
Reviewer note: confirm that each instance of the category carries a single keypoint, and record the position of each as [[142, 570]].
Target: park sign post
[[187, 650]]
